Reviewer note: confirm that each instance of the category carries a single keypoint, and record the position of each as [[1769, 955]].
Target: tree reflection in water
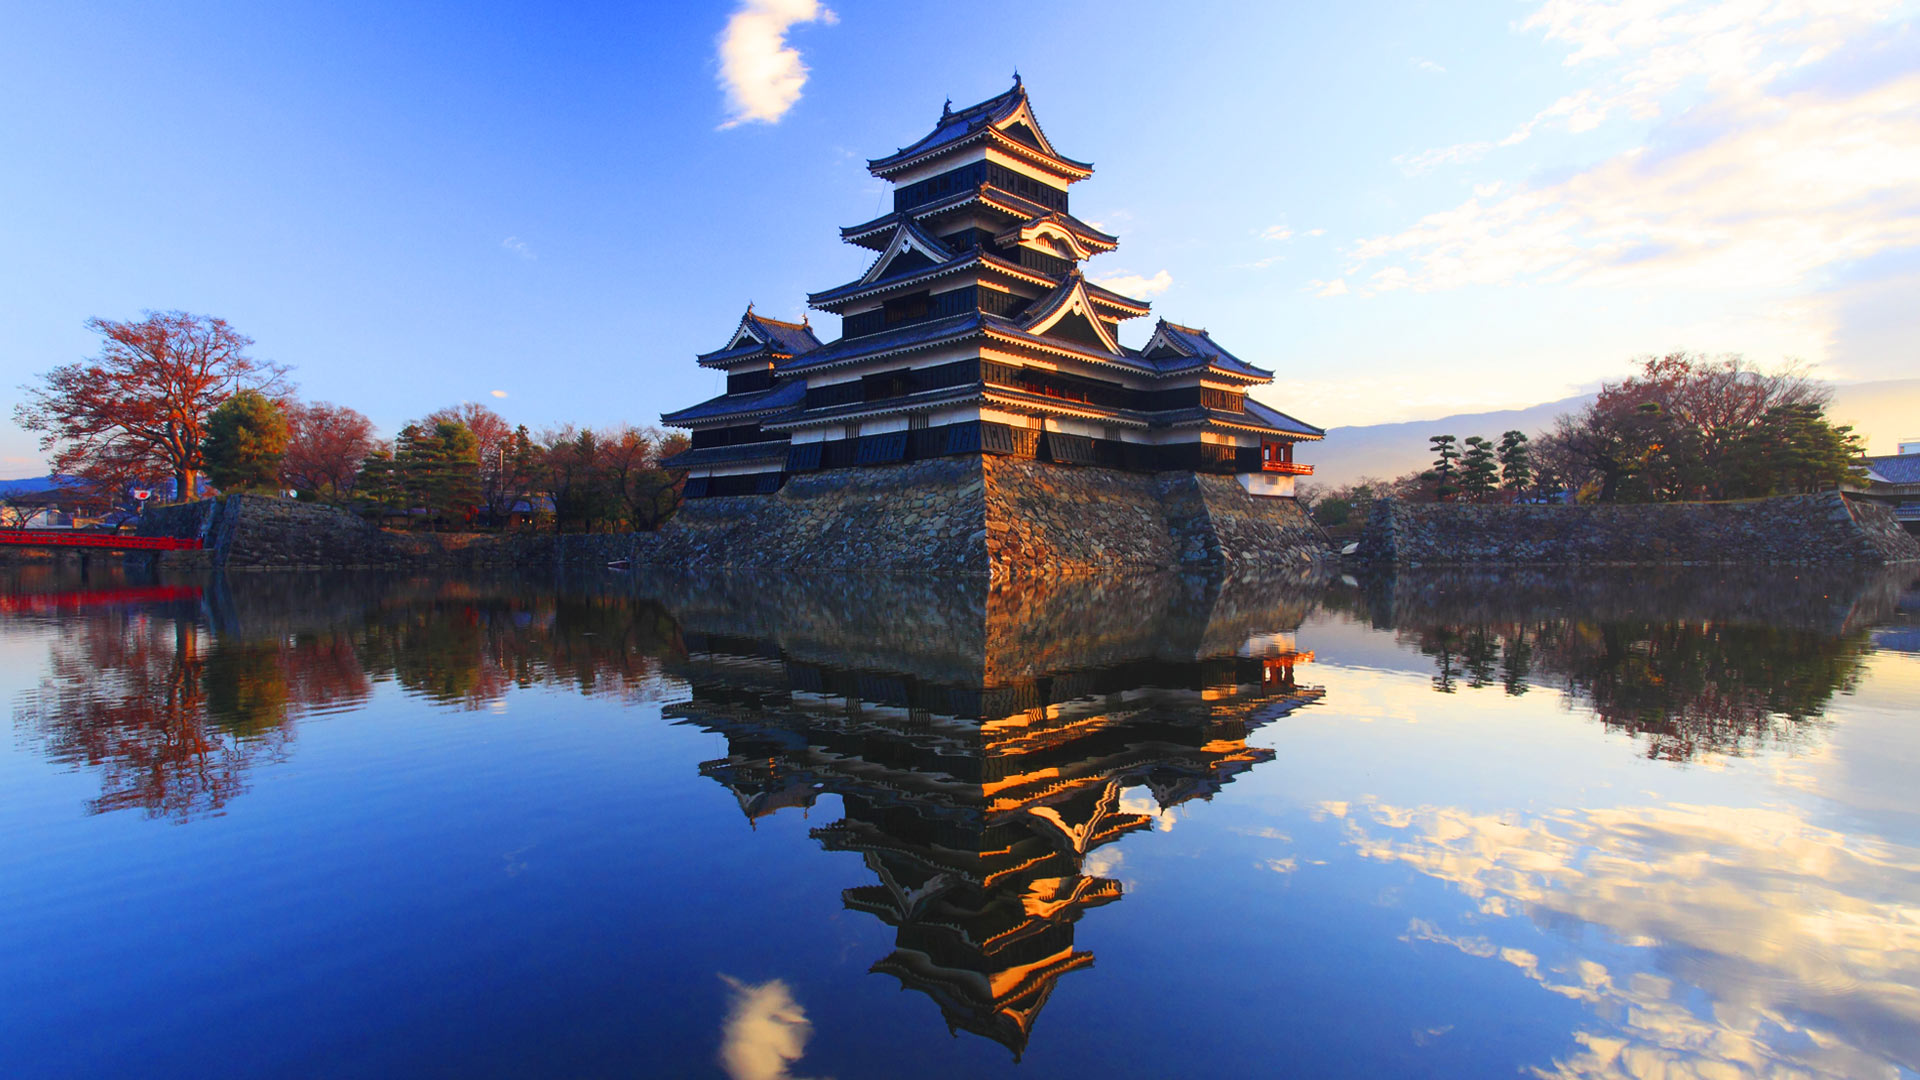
[[1687, 664], [173, 700]]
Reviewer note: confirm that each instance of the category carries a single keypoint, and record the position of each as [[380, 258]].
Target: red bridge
[[44, 603], [80, 538]]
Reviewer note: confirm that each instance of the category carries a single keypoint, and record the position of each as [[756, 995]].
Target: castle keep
[[975, 332]]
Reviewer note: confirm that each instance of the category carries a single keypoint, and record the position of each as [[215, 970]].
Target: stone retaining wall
[[260, 532], [1005, 518], [998, 517], [1795, 529]]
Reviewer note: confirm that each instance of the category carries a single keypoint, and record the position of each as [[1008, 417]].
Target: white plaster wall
[[1270, 484]]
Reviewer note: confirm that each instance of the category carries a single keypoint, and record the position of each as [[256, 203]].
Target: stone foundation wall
[[1005, 518], [1055, 521], [1001, 518], [921, 517], [1796, 529], [259, 532]]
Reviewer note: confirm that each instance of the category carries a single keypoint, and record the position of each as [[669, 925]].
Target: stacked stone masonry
[[1795, 529], [1006, 518]]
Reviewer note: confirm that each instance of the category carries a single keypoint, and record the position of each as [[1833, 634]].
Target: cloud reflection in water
[[766, 1031], [1806, 941]]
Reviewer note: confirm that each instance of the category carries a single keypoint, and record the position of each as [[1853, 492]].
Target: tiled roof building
[[1894, 479], [975, 330]]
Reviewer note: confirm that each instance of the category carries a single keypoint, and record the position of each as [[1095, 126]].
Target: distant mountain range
[[27, 486], [1881, 412]]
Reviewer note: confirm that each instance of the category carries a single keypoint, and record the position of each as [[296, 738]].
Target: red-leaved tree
[[139, 408], [329, 442]]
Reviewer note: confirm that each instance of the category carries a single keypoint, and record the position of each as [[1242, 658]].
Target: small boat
[[622, 565]]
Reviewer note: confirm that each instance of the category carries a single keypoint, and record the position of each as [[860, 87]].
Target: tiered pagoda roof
[[1005, 121], [760, 337], [977, 313]]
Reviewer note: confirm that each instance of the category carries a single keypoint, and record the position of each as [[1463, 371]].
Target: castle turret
[[975, 330]]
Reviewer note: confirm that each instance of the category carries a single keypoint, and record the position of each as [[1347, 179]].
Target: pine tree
[[1443, 468], [1516, 462], [1795, 450], [247, 438], [1477, 470], [439, 470], [377, 487], [456, 489]]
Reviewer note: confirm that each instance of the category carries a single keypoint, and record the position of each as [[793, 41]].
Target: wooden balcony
[[1287, 468]]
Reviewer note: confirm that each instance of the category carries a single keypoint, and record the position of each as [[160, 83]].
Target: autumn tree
[[246, 441], [328, 444], [571, 471], [649, 494], [139, 408], [1675, 430]]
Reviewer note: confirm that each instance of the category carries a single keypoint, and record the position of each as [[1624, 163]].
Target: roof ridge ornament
[[947, 109]]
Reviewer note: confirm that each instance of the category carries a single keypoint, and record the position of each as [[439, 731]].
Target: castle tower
[[975, 330]]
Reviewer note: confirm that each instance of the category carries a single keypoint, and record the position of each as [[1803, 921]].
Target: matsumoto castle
[[975, 331]]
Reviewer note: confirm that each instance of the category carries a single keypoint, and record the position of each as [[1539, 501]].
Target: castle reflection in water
[[975, 789]]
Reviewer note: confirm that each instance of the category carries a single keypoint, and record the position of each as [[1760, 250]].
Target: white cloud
[[1780, 188], [1428, 66], [766, 1031], [519, 247], [1316, 232], [1136, 285], [498, 393], [1336, 287], [762, 74], [1732, 48], [1776, 170], [1276, 232]]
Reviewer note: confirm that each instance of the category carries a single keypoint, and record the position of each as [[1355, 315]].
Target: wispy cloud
[[1650, 49], [518, 247], [761, 74], [1137, 285], [1276, 232], [1762, 184], [1778, 190], [1336, 287], [766, 1031], [1427, 66], [498, 393]]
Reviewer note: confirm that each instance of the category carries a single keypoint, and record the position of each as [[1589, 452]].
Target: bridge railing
[[83, 539]]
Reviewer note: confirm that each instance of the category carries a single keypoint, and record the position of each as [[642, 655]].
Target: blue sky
[[1405, 209]]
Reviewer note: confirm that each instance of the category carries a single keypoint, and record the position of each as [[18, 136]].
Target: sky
[[1403, 209]]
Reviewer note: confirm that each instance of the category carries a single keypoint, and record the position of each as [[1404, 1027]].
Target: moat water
[[860, 826]]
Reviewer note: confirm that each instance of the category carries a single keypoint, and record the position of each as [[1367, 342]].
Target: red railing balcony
[[1289, 468]]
